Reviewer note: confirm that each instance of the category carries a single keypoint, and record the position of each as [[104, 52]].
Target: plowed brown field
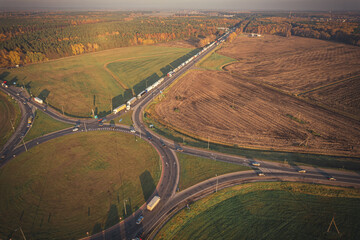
[[344, 96], [244, 106], [292, 64], [231, 110]]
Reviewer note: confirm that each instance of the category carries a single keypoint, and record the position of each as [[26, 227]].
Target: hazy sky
[[183, 4]]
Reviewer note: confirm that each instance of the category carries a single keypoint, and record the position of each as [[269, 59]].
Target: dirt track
[[232, 110]]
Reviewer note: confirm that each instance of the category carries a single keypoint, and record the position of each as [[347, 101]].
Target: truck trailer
[[152, 204], [118, 109], [38, 100]]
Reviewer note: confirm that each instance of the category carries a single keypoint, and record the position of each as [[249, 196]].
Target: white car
[[75, 129], [255, 164], [261, 174], [302, 171]]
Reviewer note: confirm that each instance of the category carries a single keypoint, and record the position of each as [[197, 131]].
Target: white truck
[[152, 204], [38, 100], [128, 103]]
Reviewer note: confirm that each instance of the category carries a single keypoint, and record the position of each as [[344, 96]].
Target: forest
[[31, 37], [343, 28]]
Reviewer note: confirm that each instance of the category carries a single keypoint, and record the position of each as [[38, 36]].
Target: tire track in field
[[125, 59]]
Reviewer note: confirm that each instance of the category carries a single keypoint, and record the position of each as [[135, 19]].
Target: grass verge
[[10, 116], [76, 184], [126, 118], [44, 124], [269, 211], [215, 62], [197, 169]]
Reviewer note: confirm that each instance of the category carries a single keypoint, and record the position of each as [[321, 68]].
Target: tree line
[[36, 37]]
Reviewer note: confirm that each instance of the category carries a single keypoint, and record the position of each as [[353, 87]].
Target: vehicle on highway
[[152, 204], [132, 130], [261, 174], [332, 179], [302, 171], [162, 143], [101, 124], [75, 129], [179, 148], [255, 164], [148, 135], [140, 219], [118, 109]]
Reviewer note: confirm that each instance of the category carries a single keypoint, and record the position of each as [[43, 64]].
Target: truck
[[141, 94], [38, 100], [30, 119], [152, 204], [118, 109], [128, 103]]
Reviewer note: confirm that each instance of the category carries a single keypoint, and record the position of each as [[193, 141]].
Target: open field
[[343, 96], [81, 83], [292, 64], [76, 184], [197, 169], [43, 124], [215, 62], [10, 116], [269, 211], [238, 112]]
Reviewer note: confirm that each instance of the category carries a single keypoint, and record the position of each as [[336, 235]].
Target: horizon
[[184, 5]]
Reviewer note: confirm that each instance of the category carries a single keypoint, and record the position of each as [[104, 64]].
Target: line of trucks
[[128, 104]]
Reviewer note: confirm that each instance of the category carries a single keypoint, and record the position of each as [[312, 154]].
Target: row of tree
[[345, 32]]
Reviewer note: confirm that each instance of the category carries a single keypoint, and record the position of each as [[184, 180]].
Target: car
[[255, 164], [151, 125], [132, 129], [302, 171], [178, 148], [163, 144], [332, 179], [101, 124], [261, 174], [75, 129], [140, 219]]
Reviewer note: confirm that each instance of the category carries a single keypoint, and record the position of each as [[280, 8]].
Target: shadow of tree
[[113, 216], [147, 184], [44, 94]]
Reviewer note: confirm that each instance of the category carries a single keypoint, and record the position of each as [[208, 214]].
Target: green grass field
[[10, 116], [215, 62], [197, 169], [76, 184], [80, 84], [125, 118], [44, 124], [269, 211]]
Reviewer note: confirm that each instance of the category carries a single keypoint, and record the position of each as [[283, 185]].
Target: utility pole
[[217, 182], [62, 107], [12, 124], [22, 233], [208, 143], [125, 207], [24, 144], [85, 127], [333, 222]]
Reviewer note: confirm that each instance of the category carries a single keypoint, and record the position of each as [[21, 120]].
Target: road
[[171, 200]]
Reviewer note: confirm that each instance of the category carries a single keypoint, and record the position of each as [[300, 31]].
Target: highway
[[172, 200]]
